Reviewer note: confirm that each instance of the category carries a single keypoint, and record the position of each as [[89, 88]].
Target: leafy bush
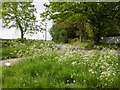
[[88, 44], [61, 34], [6, 43], [20, 40], [27, 48], [114, 46], [73, 40]]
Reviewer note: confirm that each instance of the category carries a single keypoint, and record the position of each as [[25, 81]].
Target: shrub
[[73, 40], [20, 40], [6, 43]]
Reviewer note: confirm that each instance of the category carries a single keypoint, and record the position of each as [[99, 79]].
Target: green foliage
[[90, 45], [20, 40], [22, 48], [11, 52], [110, 46], [89, 31], [61, 33], [63, 36], [0, 10], [6, 43], [73, 40], [87, 44], [19, 15], [91, 22]]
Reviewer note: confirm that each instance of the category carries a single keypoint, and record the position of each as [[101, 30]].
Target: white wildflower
[[7, 64], [73, 63], [90, 70], [102, 67], [67, 80]]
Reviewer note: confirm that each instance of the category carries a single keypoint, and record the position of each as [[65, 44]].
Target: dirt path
[[11, 61]]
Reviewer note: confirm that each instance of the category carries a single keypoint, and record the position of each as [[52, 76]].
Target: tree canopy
[[91, 19], [20, 15]]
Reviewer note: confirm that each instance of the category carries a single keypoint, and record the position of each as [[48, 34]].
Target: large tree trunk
[[21, 30], [81, 32], [97, 39], [80, 35], [98, 34], [22, 34], [20, 27]]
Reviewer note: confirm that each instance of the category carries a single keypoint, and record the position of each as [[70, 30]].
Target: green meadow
[[50, 67]]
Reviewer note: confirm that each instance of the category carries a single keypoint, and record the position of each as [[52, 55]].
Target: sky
[[13, 33]]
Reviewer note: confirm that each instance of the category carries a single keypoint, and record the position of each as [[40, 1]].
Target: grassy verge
[[82, 44], [14, 49], [91, 45], [11, 52]]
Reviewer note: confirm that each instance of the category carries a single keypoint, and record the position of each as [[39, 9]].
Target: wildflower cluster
[[37, 49], [103, 64], [65, 67]]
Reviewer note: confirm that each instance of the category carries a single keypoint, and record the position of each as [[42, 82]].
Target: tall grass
[[14, 49], [90, 44], [52, 68], [11, 52]]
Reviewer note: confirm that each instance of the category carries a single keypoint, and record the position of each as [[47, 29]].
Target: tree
[[20, 15], [63, 33], [0, 10], [68, 14], [102, 17]]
